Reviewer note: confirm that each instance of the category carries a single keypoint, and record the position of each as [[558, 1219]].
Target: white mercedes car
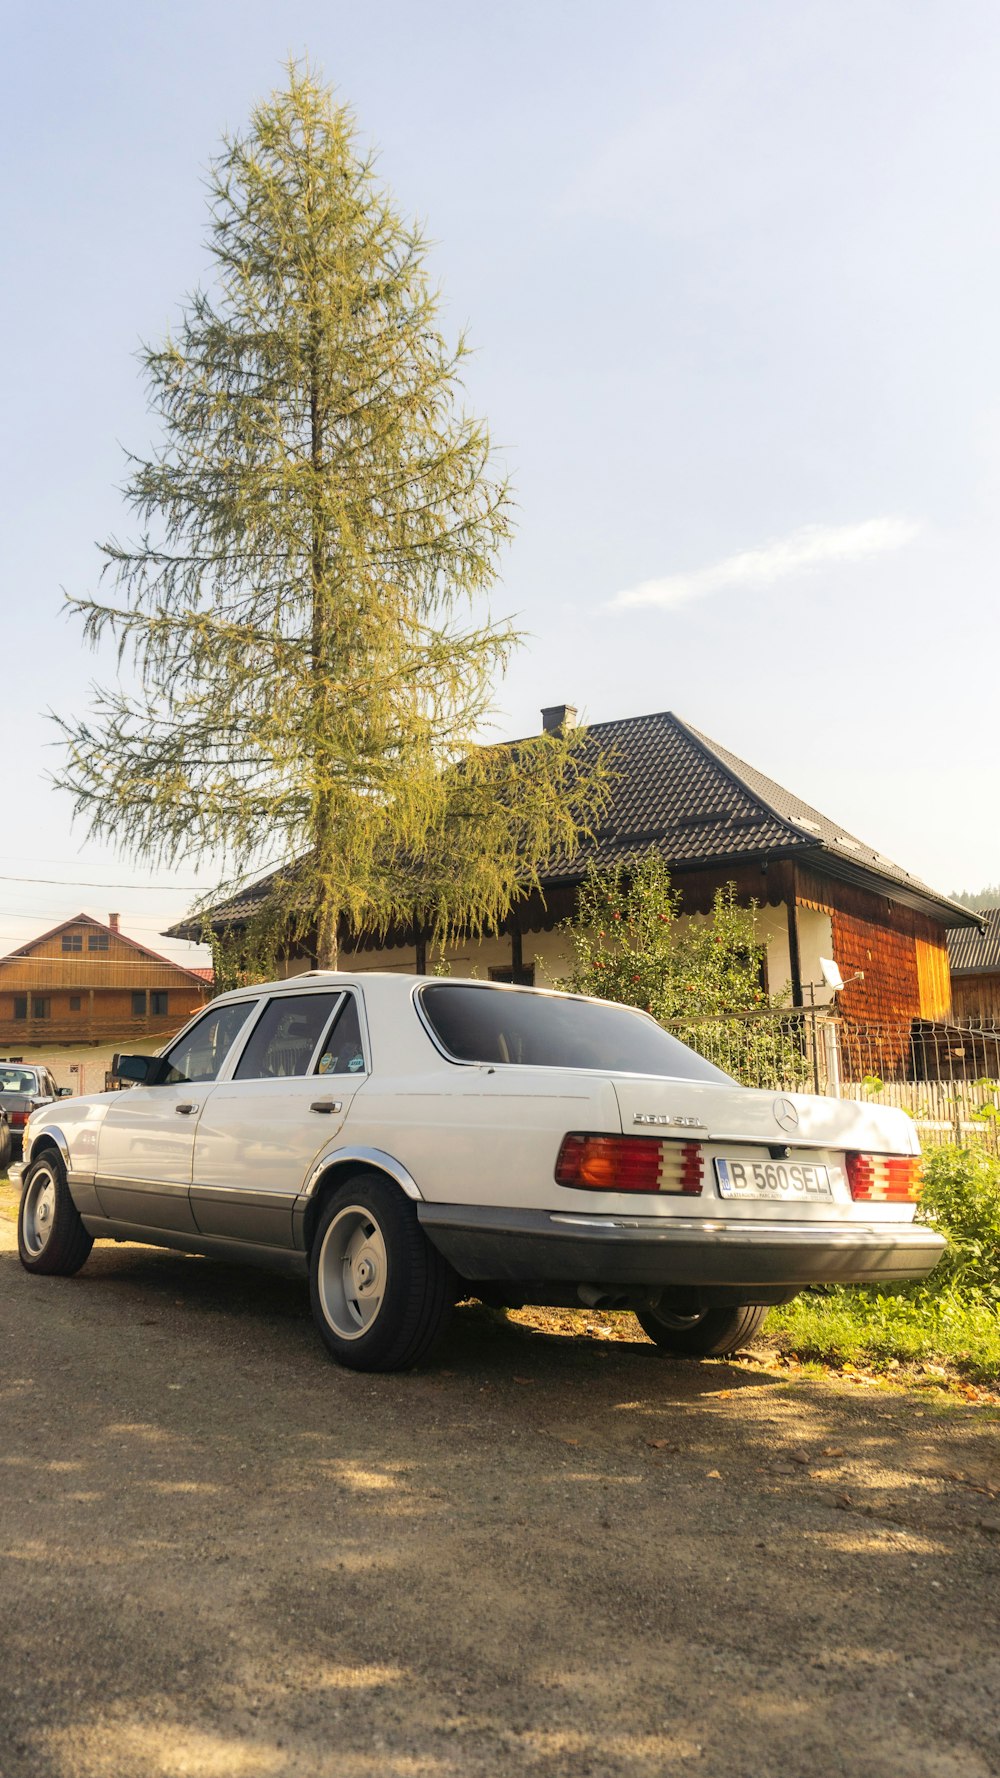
[[404, 1141]]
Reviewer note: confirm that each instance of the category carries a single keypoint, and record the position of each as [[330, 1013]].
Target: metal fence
[[946, 1076]]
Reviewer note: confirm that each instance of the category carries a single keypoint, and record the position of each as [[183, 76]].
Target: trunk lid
[[703, 1111]]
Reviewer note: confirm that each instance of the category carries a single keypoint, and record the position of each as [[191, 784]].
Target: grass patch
[[10, 1197], [867, 1328], [952, 1318]]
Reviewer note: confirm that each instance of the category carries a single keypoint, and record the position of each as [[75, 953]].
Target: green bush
[[962, 1198], [952, 1315]]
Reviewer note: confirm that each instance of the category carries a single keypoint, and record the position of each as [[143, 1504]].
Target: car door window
[[343, 1051], [200, 1053], [284, 1040]]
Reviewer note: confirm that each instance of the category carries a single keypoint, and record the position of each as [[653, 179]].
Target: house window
[[523, 978], [139, 1004], [158, 1003], [20, 1006], [76, 1003], [72, 941], [98, 941], [40, 1005]]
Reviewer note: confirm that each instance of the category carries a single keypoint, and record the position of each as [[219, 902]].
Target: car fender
[[373, 1157], [46, 1136]]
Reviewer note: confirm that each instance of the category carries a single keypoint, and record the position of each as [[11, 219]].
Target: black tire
[[708, 1335], [6, 1145], [50, 1235], [381, 1294]]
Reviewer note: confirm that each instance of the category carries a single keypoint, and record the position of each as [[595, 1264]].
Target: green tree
[[308, 657], [701, 977]]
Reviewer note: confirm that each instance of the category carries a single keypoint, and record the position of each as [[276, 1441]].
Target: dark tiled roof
[[675, 790], [970, 951], [833, 839]]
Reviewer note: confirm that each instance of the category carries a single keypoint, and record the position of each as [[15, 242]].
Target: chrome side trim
[[246, 1199], [156, 1188], [376, 1157]]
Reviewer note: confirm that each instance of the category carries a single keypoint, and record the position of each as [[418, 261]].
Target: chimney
[[556, 718], [113, 920]]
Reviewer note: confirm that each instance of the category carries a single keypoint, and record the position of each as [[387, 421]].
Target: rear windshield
[[17, 1080], [536, 1031]]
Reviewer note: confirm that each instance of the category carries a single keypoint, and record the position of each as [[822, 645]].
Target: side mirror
[[64, 1092], [145, 1071]]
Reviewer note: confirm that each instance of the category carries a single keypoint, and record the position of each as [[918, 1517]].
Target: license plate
[[772, 1179]]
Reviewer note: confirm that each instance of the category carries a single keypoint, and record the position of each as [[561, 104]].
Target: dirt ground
[[222, 1557]]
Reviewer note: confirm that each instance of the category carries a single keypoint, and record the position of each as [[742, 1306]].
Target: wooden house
[[975, 969], [820, 891], [83, 983]]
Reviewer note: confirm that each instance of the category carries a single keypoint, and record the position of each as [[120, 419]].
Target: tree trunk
[[324, 838], [327, 952]]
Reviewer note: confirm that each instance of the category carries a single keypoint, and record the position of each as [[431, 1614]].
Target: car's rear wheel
[[381, 1294], [51, 1237], [708, 1334], [6, 1144]]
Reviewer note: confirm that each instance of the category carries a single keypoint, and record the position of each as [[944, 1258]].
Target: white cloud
[[812, 546]]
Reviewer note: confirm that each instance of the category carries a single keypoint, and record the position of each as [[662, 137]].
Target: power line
[[64, 883]]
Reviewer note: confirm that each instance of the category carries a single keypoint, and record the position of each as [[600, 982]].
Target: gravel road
[[224, 1557]]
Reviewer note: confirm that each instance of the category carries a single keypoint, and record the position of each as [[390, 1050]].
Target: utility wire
[[65, 883]]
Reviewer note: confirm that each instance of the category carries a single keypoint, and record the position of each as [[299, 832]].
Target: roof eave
[[921, 899]]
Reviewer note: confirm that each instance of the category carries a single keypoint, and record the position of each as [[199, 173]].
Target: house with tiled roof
[[821, 893]]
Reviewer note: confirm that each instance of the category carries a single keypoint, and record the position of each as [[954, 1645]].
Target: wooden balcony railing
[[77, 1028]]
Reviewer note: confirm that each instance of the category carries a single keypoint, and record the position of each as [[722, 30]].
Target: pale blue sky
[[732, 275]]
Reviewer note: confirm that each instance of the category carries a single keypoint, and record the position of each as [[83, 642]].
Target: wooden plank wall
[[904, 954], [44, 967], [976, 997]]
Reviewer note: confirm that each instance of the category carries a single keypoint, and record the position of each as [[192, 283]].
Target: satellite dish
[[831, 974]]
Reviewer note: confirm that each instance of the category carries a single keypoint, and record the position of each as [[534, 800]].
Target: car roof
[[381, 979]]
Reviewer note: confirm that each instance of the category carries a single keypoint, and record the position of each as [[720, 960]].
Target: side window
[[201, 1052], [284, 1038], [343, 1052]]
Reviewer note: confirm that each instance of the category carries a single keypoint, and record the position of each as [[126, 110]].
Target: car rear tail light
[[18, 1119], [629, 1164], [885, 1178]]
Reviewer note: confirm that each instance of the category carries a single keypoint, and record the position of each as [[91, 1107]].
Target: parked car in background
[[403, 1141], [24, 1087]]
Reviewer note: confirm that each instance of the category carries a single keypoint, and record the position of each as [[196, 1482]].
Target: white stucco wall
[[815, 941], [549, 954]]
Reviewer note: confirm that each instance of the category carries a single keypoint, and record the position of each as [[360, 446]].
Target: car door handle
[[325, 1105], [185, 1110]]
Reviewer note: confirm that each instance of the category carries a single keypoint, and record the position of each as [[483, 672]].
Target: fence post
[[815, 1049], [831, 1051]]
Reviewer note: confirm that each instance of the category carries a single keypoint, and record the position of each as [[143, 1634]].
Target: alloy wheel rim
[[352, 1272], [39, 1216]]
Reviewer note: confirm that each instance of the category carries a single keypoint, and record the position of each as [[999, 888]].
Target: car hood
[[719, 1112]]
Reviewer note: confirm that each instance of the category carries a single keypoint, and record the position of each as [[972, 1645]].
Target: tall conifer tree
[[309, 661]]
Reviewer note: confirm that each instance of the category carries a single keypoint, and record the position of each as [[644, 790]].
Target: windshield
[[538, 1031], [17, 1080]]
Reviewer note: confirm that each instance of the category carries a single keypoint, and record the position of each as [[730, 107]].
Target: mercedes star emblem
[[785, 1114]]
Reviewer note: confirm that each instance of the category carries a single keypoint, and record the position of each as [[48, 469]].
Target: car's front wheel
[[51, 1237], [381, 1294], [708, 1334]]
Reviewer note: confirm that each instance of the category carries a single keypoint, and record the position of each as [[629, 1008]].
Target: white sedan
[[405, 1140]]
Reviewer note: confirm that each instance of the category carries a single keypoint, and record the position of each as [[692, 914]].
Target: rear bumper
[[520, 1245]]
